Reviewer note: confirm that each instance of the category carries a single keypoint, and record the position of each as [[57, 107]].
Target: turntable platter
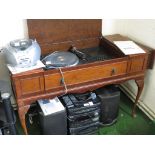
[[61, 59]]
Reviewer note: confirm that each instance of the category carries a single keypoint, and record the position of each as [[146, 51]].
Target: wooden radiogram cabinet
[[60, 35]]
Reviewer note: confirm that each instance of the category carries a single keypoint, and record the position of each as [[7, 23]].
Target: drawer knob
[[113, 71]]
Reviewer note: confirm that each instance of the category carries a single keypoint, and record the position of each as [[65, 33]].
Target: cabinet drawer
[[31, 85], [85, 74], [27, 86]]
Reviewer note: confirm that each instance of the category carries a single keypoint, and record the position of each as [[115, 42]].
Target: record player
[[103, 63], [60, 59], [72, 57]]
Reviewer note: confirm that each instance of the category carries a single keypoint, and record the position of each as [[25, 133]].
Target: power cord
[[63, 82]]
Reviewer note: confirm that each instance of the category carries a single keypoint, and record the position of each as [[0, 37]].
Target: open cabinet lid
[[49, 32]]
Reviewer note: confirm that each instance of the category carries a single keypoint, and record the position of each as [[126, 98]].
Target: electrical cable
[[63, 81], [8, 124]]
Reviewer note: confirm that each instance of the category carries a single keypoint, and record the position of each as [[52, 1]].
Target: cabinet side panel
[[138, 63]]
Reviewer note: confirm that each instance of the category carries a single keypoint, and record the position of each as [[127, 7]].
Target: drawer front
[[86, 74], [29, 86]]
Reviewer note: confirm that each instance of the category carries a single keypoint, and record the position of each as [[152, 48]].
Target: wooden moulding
[[82, 87]]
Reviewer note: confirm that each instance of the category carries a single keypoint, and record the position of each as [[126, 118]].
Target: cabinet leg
[[22, 112], [140, 84]]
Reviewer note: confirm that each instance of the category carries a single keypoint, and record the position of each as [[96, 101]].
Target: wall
[[10, 29], [142, 31]]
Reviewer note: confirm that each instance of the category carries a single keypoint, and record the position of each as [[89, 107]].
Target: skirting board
[[140, 104]]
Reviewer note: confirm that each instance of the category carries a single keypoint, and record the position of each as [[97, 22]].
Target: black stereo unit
[[84, 129], [83, 112], [110, 99]]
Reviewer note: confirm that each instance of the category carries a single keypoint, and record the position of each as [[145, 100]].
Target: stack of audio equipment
[[83, 112]]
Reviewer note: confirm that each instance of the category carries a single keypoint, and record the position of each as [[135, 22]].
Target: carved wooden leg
[[22, 112], [140, 84]]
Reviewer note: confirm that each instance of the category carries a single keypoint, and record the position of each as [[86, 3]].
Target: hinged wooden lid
[[55, 34]]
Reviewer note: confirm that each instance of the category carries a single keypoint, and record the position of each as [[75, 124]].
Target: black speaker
[[7, 116], [110, 98]]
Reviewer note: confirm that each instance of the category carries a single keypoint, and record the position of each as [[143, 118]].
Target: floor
[[125, 125]]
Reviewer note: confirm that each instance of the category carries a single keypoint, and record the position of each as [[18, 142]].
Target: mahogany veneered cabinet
[[86, 35]]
